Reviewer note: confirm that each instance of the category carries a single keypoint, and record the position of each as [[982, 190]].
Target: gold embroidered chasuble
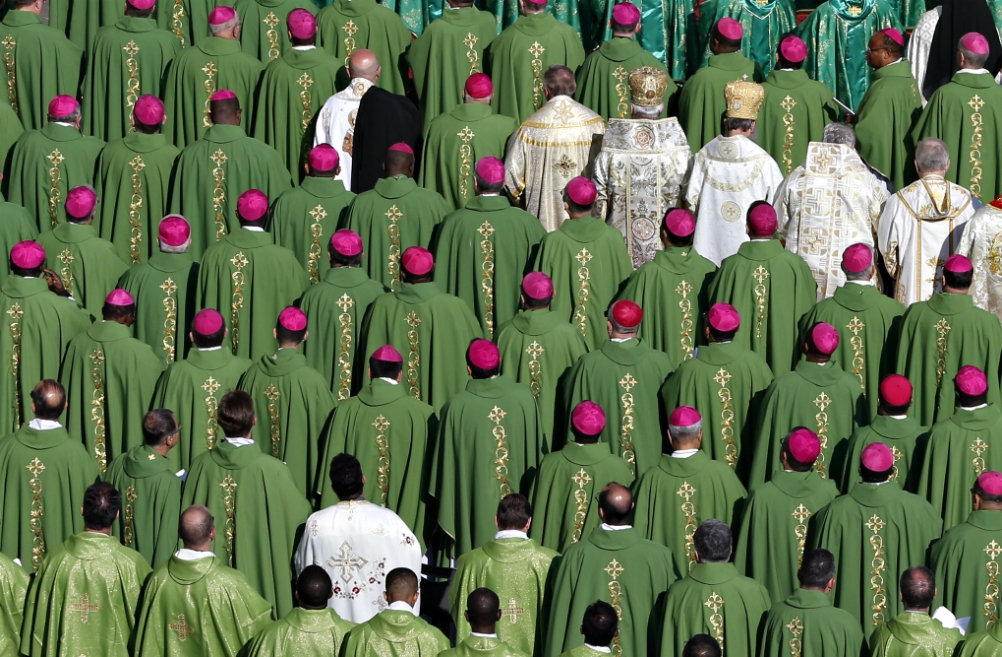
[[982, 243], [335, 124]]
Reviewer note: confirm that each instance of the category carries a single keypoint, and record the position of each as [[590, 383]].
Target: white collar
[[896, 61], [973, 71], [898, 417], [866, 282], [388, 380], [510, 533], [973, 408], [91, 531], [614, 528], [68, 125], [210, 348], [606, 649], [621, 339], [876, 483], [787, 69], [489, 194], [400, 605], [478, 634], [239, 441], [253, 229], [184, 554], [761, 239], [38, 424], [683, 453], [304, 48]]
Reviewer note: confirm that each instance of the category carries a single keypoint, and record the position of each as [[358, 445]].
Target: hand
[[54, 282], [850, 118]]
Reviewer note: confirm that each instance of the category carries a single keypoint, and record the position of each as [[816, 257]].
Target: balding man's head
[[48, 400], [701, 645], [398, 163], [196, 529], [918, 588], [559, 81], [483, 610], [225, 112], [615, 503], [364, 64], [314, 588], [402, 586]]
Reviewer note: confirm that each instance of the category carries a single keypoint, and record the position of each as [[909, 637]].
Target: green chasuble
[[957, 452], [516, 569], [211, 606], [773, 532], [983, 644], [389, 433], [820, 396], [868, 324], [454, 142], [481, 255], [486, 646], [304, 218], [17, 226], [197, 73], [714, 599], [677, 494], [392, 633], [518, 58], [345, 26], [764, 25], [619, 567], [151, 503], [45, 165], [337, 305], [13, 591], [880, 530], [188, 20], [264, 31], [212, 173], [127, 60], [588, 263], [604, 78], [432, 330], [45, 64], [448, 51], [914, 633], [253, 497], [772, 289], [109, 377], [583, 651], [37, 326], [293, 89], [164, 289], [701, 103], [884, 122], [83, 20], [837, 34], [293, 402], [490, 443], [133, 181], [88, 265], [666, 288], [938, 337], [726, 382], [907, 441], [88, 578], [624, 379], [965, 561], [965, 113], [565, 493], [302, 631], [795, 111], [45, 476], [392, 217], [192, 388], [538, 347], [806, 621], [10, 131], [255, 279], [667, 31]]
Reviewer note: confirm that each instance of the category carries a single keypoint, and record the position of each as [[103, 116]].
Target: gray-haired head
[[972, 60], [931, 157], [229, 29], [839, 133], [651, 113], [713, 541], [685, 437]]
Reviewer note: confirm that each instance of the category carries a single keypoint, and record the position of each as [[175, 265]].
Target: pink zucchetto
[[762, 220], [323, 157], [302, 24], [537, 285], [684, 416], [149, 110], [723, 317], [387, 354], [588, 418], [222, 94], [142, 5], [401, 147], [80, 202], [537, 3], [63, 105], [221, 15], [347, 242], [877, 457], [119, 297], [27, 255], [793, 49], [857, 258], [582, 191], [479, 85], [626, 13], [971, 381], [730, 29], [958, 264], [292, 319], [990, 482], [894, 35], [207, 322], [680, 223], [627, 314], [896, 390], [483, 354], [491, 170], [975, 42], [824, 337], [252, 205], [174, 230], [417, 260], [803, 445]]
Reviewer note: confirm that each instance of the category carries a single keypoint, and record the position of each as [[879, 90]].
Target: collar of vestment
[[60, 133], [463, 16], [215, 46], [395, 186], [853, 12], [797, 484], [714, 573], [135, 24], [760, 9], [972, 81], [857, 298], [20, 287], [346, 277], [488, 204], [919, 629], [619, 49], [417, 292], [322, 187], [187, 573], [535, 24], [142, 462], [537, 322], [820, 374], [808, 599], [36, 439], [988, 519], [512, 550], [169, 263], [900, 69], [890, 428], [761, 250], [209, 360], [684, 467], [721, 353], [102, 331], [74, 233], [483, 644], [978, 419], [875, 496], [249, 239], [471, 112], [613, 541], [140, 142], [492, 388], [310, 621], [586, 453], [19, 18], [629, 352], [304, 60], [282, 362], [729, 61], [583, 229], [354, 8], [221, 133], [787, 79], [90, 546], [381, 393], [231, 457], [946, 303], [676, 259], [396, 626]]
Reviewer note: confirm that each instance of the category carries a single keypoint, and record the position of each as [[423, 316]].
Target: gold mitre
[[647, 86], [743, 99]]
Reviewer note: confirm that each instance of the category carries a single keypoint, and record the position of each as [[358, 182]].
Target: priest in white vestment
[[982, 244], [922, 225], [336, 119], [358, 543], [828, 203], [640, 169], [551, 148], [729, 174]]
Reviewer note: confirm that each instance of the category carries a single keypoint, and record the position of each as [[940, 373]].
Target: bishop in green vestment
[[304, 218], [763, 23], [151, 490], [513, 566], [774, 522], [17, 226], [13, 591], [265, 27], [615, 565], [394, 216], [484, 616], [338, 304], [45, 475], [128, 59], [489, 445], [295, 399], [195, 596], [256, 497], [807, 621], [715, 599], [109, 377], [704, 489], [913, 631], [483, 249], [345, 26]]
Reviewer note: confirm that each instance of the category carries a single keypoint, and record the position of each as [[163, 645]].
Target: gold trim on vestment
[[9, 44], [796, 628], [349, 29], [36, 467], [801, 514], [65, 273], [584, 288], [465, 160], [943, 328], [272, 21], [306, 83], [722, 378], [393, 253], [487, 271], [501, 449], [97, 409], [344, 345], [614, 570], [877, 565], [135, 204], [316, 233], [210, 71], [788, 136], [132, 86], [55, 158], [979, 447], [237, 303], [129, 513], [381, 424], [219, 158], [858, 350], [993, 550], [274, 417], [170, 319], [686, 491], [413, 357], [211, 386], [581, 479], [181, 627], [229, 485], [822, 401], [627, 383], [471, 53], [16, 314], [715, 603], [974, 157], [622, 92], [761, 296], [537, 73], [176, 24], [534, 350], [685, 328]]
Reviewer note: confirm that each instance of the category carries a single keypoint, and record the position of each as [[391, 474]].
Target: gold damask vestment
[[982, 243]]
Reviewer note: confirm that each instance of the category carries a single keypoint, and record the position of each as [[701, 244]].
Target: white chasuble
[[982, 243], [336, 124]]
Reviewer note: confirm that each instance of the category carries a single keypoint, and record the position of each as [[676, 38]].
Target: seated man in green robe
[[913, 632], [151, 489], [714, 598], [196, 597], [90, 580], [513, 566], [600, 627], [806, 619], [482, 615]]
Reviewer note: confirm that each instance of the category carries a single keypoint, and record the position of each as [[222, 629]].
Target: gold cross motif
[[979, 447], [760, 274], [801, 513], [582, 478], [976, 103], [211, 386], [210, 69], [182, 628], [943, 327], [993, 550], [628, 382], [85, 608], [686, 491], [470, 40], [584, 257], [381, 424], [345, 302], [239, 261], [486, 230], [496, 415], [55, 158], [788, 104], [823, 401], [620, 73], [723, 377], [855, 325], [875, 524], [169, 287], [855, 11], [534, 350], [714, 602], [350, 28], [513, 610], [271, 20], [614, 569], [536, 49], [346, 562], [131, 49], [683, 288]]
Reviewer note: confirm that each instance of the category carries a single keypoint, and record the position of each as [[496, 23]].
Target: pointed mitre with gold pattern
[[743, 99], [647, 86]]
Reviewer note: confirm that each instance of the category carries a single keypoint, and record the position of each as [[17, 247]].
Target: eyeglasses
[[869, 50]]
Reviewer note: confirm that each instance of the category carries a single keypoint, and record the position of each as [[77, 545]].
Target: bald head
[[48, 399], [615, 503], [363, 64], [402, 586], [398, 163], [314, 588], [483, 610], [196, 529], [918, 588]]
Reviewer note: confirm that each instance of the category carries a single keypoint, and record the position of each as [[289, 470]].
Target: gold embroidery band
[[97, 409], [614, 570], [210, 71], [465, 161], [272, 21], [715, 604], [487, 269], [316, 233], [822, 401], [181, 627], [512, 611], [85, 608], [413, 357], [761, 297], [796, 628], [211, 387], [170, 318], [685, 305], [275, 418], [979, 447], [992, 589], [176, 23], [858, 350], [722, 378], [9, 44], [55, 158], [537, 73], [943, 328], [974, 157], [471, 53], [229, 486], [130, 513], [236, 306], [788, 137], [36, 467], [534, 351], [393, 254], [622, 107], [306, 83], [135, 205], [801, 514], [686, 491], [627, 383], [132, 86], [584, 289], [65, 273], [345, 303], [383, 444], [581, 480], [219, 158], [349, 42], [877, 566], [16, 314], [501, 449]]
